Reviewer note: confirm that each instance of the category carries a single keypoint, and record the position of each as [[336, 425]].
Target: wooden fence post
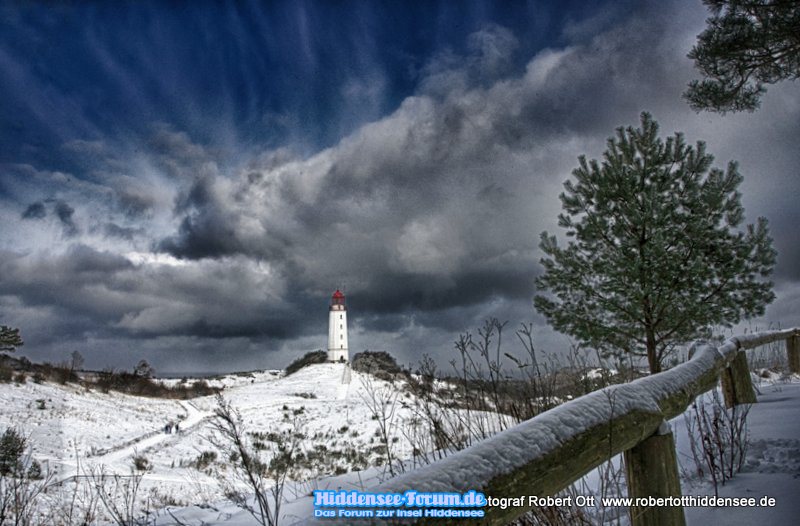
[[737, 387], [651, 469], [793, 353]]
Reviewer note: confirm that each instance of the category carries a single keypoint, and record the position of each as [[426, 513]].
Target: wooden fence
[[547, 453]]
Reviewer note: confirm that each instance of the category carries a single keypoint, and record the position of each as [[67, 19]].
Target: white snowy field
[[72, 429], [109, 429]]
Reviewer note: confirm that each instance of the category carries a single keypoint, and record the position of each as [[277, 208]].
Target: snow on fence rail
[[547, 453]]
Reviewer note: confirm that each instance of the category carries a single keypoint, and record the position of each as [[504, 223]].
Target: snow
[[109, 429], [754, 339], [72, 418], [599, 373], [772, 467]]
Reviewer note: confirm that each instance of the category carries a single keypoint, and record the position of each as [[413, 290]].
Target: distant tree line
[[139, 381]]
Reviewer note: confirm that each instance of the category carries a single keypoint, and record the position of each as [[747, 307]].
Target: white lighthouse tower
[[337, 329]]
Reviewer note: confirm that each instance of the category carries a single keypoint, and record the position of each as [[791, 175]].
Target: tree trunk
[[652, 352]]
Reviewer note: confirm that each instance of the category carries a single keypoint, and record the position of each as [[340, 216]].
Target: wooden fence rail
[[547, 453]]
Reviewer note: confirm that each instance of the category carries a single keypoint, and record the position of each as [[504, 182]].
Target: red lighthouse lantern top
[[337, 298]]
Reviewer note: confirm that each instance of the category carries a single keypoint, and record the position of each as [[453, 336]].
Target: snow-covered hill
[[71, 429]]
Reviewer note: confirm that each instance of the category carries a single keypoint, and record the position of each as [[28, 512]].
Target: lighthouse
[[337, 328]]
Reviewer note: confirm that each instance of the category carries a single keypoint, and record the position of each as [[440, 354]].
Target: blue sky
[[249, 74], [189, 181]]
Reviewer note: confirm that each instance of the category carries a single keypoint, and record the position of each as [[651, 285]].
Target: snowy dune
[[109, 429]]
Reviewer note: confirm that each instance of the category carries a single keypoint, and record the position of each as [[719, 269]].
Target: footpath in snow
[[193, 419], [118, 457]]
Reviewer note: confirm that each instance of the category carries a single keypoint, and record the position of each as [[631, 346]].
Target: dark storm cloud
[[771, 175], [421, 213], [66, 284], [203, 235], [115, 230], [64, 212], [222, 299], [61, 210], [435, 206], [35, 211], [135, 204], [178, 156], [403, 293], [783, 228], [427, 213]]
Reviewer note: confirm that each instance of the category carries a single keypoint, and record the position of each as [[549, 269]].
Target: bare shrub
[[141, 463], [119, 496], [63, 373], [381, 400], [74, 501], [490, 391], [204, 460], [140, 383], [262, 462], [718, 438], [22, 482]]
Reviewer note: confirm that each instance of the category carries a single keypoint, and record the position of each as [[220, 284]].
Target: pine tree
[[746, 45], [656, 255], [9, 338], [12, 448]]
